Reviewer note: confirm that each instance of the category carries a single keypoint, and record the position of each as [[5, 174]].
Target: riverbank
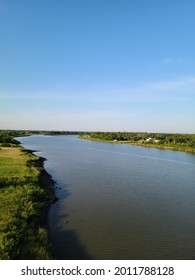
[[145, 144], [26, 194], [48, 184]]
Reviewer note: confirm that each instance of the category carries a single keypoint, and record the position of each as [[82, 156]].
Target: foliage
[[18, 224], [56, 133], [182, 142], [7, 136]]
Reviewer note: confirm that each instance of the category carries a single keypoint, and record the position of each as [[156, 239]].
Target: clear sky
[[98, 65]]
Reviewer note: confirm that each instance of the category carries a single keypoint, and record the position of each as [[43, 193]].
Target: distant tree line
[[60, 132], [159, 139], [7, 136], [169, 139]]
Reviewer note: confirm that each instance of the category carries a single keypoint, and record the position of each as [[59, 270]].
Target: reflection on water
[[119, 201]]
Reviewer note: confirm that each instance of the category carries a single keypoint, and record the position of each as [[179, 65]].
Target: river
[[118, 201]]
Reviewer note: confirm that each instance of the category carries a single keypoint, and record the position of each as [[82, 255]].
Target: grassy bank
[[183, 147], [23, 205]]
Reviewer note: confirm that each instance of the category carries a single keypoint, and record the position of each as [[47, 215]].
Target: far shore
[[146, 145]]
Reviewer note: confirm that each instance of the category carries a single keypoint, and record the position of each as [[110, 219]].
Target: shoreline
[[149, 145], [47, 183]]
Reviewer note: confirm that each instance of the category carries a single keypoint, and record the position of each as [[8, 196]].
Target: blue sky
[[101, 65]]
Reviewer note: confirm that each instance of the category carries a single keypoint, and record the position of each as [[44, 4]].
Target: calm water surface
[[118, 201]]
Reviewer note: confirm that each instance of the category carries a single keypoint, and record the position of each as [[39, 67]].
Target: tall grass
[[22, 204]]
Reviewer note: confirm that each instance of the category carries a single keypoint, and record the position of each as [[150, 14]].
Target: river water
[[118, 201]]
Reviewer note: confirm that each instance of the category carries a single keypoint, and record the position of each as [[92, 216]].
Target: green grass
[[22, 202], [13, 163]]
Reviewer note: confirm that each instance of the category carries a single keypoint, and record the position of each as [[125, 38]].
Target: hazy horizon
[[91, 131], [98, 65]]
